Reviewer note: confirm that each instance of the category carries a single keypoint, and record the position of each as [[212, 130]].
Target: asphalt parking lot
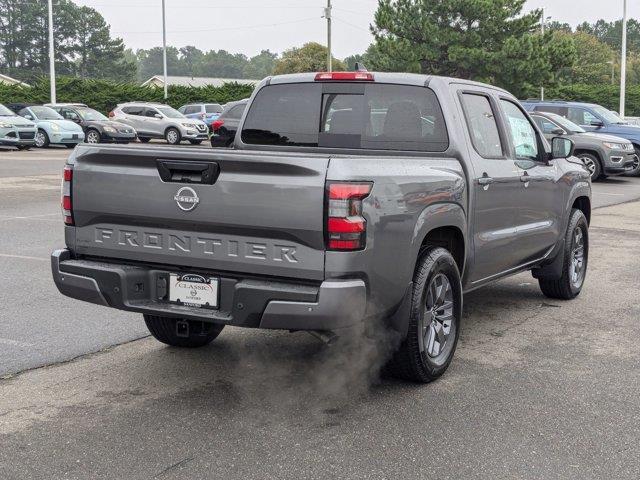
[[538, 388]]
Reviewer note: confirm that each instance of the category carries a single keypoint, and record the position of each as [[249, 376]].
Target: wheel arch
[[583, 203]]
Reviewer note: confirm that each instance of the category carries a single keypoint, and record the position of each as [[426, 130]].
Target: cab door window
[[523, 135], [482, 125]]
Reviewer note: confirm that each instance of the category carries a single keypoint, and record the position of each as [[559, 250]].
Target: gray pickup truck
[[350, 198]]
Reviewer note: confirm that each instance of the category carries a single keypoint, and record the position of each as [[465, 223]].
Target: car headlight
[[6, 125], [109, 129], [615, 146], [55, 127]]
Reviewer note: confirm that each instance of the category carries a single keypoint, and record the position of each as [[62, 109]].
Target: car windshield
[[566, 124], [45, 113], [170, 112], [5, 112], [91, 114], [608, 115], [213, 108]]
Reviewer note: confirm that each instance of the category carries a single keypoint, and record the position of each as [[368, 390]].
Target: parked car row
[[607, 144]]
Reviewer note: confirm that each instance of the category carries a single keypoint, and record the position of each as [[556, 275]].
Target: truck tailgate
[[262, 215]]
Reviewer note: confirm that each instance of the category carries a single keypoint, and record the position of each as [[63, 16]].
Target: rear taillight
[[346, 227], [344, 76], [215, 126], [67, 204]]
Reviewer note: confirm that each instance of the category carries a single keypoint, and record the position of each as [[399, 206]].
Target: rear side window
[[235, 113], [192, 109], [213, 108], [483, 128], [133, 110], [371, 116]]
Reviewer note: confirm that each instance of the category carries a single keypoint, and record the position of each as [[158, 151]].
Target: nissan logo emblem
[[187, 199]]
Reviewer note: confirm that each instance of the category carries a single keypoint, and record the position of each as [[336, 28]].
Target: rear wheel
[[434, 323], [172, 136], [181, 332], [574, 263], [42, 139], [593, 165]]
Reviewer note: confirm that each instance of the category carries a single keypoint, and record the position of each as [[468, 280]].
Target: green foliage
[[104, 95], [487, 40], [311, 57], [606, 95], [193, 62], [84, 46]]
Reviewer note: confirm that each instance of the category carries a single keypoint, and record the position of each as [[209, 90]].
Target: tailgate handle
[[188, 172]]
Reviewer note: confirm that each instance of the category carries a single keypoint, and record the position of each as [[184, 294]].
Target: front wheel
[[42, 139], [593, 165], [574, 263], [93, 136], [172, 136], [434, 323], [181, 332]]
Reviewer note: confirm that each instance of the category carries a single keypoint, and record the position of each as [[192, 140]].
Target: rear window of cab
[[370, 116]]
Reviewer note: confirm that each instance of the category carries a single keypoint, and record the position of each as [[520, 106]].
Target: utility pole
[[327, 15], [623, 60], [52, 58], [542, 32], [164, 49]]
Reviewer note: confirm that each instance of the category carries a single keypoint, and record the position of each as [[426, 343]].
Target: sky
[[249, 26]]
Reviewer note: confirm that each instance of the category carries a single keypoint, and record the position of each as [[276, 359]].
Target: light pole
[[164, 49], [543, 21], [52, 58], [623, 59], [327, 15]]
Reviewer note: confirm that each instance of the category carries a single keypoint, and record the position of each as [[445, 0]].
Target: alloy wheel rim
[[438, 320], [590, 164], [92, 137], [577, 257], [172, 136], [39, 139]]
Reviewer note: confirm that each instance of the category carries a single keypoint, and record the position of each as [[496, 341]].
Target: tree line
[[486, 40]]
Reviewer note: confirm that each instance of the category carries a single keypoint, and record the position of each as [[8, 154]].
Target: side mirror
[[561, 147], [157, 115], [597, 123], [28, 117], [557, 131]]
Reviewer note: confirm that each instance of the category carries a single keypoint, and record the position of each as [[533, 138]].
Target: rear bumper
[[332, 305]]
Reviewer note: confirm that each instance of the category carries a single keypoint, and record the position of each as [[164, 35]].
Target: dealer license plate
[[193, 290]]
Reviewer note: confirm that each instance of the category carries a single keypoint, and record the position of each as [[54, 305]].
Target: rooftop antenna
[[359, 67]]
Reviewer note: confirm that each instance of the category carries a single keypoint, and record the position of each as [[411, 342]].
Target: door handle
[[485, 180]]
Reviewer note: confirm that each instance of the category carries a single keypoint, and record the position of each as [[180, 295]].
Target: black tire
[[569, 285], [593, 165], [173, 136], [93, 136], [144, 139], [42, 138], [196, 334], [195, 142], [413, 361]]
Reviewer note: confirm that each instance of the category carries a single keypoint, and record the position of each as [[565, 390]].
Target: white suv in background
[[156, 120]]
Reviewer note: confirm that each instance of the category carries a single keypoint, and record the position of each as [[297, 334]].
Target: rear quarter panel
[[410, 197]]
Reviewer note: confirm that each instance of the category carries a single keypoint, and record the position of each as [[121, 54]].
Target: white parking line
[[24, 257], [30, 217]]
